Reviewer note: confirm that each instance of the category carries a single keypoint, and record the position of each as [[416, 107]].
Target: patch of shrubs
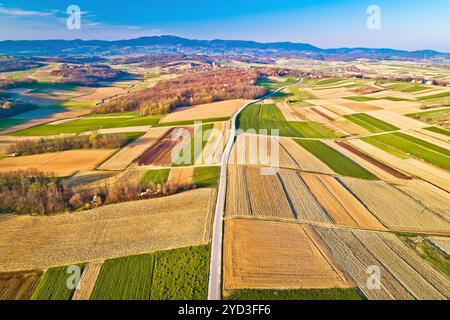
[[39, 193]]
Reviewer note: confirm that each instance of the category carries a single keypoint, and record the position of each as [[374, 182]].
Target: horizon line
[[219, 39]]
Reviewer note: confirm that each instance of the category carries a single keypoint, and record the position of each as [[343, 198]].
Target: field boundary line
[[215, 273]]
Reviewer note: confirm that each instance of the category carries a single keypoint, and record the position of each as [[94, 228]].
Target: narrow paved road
[[215, 272]]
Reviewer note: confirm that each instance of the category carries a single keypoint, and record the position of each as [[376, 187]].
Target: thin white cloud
[[132, 27], [26, 13]]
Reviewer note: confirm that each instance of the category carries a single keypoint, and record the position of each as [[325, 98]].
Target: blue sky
[[405, 24]]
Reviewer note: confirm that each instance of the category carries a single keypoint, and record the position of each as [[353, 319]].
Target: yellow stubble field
[[274, 255]]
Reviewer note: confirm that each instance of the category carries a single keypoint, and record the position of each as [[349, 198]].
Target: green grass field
[[293, 95], [53, 285], [206, 177], [166, 275], [40, 86], [370, 123], [385, 147], [269, 117], [327, 82], [424, 144], [10, 122], [309, 83], [127, 278], [335, 160], [304, 294], [75, 105], [436, 96], [415, 147], [155, 177], [273, 85], [131, 136], [433, 116], [439, 130], [407, 87], [130, 114], [181, 274], [395, 99], [280, 96], [360, 99], [90, 123]]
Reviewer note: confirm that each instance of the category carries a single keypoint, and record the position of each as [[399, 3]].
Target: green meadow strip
[[439, 130], [301, 294], [199, 136], [206, 177], [423, 143], [269, 117], [417, 148], [385, 147], [10, 122], [370, 123], [128, 278], [335, 160], [155, 177], [88, 124], [179, 274], [54, 284]]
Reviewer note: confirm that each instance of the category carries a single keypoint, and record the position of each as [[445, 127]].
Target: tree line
[[188, 90], [86, 75], [35, 192], [93, 141]]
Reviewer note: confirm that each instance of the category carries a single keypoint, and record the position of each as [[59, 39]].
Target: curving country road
[[215, 272]]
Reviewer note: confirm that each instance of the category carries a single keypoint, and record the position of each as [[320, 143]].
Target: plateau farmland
[[335, 167]]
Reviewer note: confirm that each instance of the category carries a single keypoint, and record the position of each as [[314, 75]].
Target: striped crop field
[[335, 160], [370, 123]]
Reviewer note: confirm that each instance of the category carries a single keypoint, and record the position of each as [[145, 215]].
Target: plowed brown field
[[18, 285], [160, 153], [124, 157]]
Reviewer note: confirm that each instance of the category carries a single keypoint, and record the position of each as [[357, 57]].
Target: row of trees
[[86, 75], [93, 141], [34, 192], [8, 65], [191, 89], [160, 60]]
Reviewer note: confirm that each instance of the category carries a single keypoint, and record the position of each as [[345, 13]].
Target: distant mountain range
[[173, 44]]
